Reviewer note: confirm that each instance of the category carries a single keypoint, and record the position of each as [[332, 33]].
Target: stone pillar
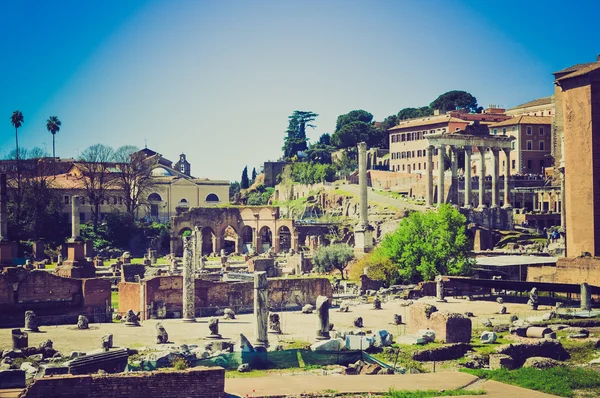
[[441, 196], [468, 152], [363, 240], [189, 286], [507, 179], [75, 217], [3, 211], [261, 310], [495, 171], [323, 318], [454, 183], [362, 183], [586, 297], [197, 246], [534, 200], [481, 175], [429, 175]]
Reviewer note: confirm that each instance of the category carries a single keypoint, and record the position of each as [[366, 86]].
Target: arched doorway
[[247, 239], [285, 239], [230, 240], [209, 240], [155, 200], [266, 239]]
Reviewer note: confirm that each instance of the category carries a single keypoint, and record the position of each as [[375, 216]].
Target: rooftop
[[536, 102], [427, 121], [582, 69], [508, 260], [524, 119]]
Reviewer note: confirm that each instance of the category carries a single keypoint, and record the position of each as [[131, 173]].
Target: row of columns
[[468, 151]]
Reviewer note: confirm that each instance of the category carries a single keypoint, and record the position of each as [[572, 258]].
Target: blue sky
[[218, 79]]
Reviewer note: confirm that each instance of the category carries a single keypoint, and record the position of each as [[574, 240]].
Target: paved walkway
[[375, 196], [361, 384]]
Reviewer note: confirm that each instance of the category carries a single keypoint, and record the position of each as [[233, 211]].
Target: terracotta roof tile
[[427, 121], [574, 68], [536, 102], [524, 119], [581, 71]]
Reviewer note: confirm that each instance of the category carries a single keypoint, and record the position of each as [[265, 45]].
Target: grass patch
[[432, 393], [581, 351], [486, 349], [560, 381], [114, 300]]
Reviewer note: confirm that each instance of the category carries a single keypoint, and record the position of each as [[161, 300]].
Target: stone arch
[[212, 197], [154, 197], [247, 214], [230, 240], [209, 241], [247, 238], [285, 238], [184, 230], [265, 214], [265, 238]]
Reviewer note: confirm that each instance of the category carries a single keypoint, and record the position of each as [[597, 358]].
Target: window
[[541, 165], [529, 130], [413, 154], [541, 145], [67, 199], [514, 163], [212, 197], [154, 197], [495, 131], [431, 131], [512, 145], [154, 211], [529, 164], [457, 129], [182, 167], [529, 145], [541, 131], [402, 167], [393, 156], [81, 218], [504, 131]]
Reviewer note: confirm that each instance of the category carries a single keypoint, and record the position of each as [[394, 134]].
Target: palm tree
[[53, 126], [17, 121]]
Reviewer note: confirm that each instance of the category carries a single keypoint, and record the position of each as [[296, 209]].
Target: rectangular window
[[81, 218], [529, 145], [495, 131], [512, 145], [413, 154], [541, 165], [541, 145], [393, 156], [402, 167], [541, 131], [529, 164], [504, 131], [514, 164], [529, 130], [67, 199]]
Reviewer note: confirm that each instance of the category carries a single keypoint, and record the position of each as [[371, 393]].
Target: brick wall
[[96, 292], [42, 286], [6, 292], [448, 327], [198, 382], [211, 296]]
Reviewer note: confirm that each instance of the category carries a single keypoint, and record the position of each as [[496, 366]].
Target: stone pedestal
[[7, 250], [363, 239], [586, 297], [76, 266], [261, 310]]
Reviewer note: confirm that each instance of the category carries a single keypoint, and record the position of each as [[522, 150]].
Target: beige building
[[539, 107]]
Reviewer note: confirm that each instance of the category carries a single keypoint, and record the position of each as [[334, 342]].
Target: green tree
[[327, 258], [53, 126], [245, 182], [354, 127], [411, 113], [133, 177], [253, 174], [234, 191], [295, 140], [455, 100], [320, 152], [428, 244], [346, 164], [17, 121], [359, 115]]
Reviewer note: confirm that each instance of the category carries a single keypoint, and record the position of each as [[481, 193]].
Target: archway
[[230, 240], [154, 199], [208, 241], [285, 239], [185, 232], [247, 239], [211, 197], [266, 239]]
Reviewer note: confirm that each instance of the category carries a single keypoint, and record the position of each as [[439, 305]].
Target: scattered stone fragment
[[500, 300], [540, 363], [308, 309], [344, 307], [513, 318], [228, 314], [377, 303], [106, 342], [469, 314], [488, 337], [397, 319], [502, 310], [486, 322], [162, 337], [499, 361], [274, 323], [31, 322], [244, 368], [82, 322], [358, 322], [428, 335]]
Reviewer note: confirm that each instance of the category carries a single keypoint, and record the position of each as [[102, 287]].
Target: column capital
[[468, 149], [495, 150], [506, 150]]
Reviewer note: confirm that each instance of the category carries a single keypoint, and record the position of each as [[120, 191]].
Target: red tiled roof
[[427, 121], [524, 119]]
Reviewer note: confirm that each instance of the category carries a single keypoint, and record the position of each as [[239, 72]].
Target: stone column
[[261, 310], [362, 183], [534, 201], [3, 211], [468, 152], [454, 184], [495, 171], [507, 179], [441, 196], [586, 297], [74, 217], [196, 247], [481, 175], [429, 175], [189, 286]]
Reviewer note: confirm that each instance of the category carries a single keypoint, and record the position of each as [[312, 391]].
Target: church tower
[[183, 166]]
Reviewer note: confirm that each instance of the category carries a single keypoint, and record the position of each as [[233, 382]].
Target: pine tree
[[244, 184], [253, 174]]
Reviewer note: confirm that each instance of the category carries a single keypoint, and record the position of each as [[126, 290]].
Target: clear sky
[[218, 79]]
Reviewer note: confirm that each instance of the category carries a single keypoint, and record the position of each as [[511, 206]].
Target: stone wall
[[42, 286], [448, 327], [568, 270], [212, 296], [367, 283], [198, 382]]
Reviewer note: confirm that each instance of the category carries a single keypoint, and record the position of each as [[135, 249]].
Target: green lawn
[[114, 300], [562, 381]]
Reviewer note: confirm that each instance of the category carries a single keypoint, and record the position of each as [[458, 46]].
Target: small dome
[[160, 172]]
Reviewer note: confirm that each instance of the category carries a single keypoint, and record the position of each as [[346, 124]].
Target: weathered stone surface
[[31, 322], [20, 339], [500, 300], [308, 309], [106, 342], [274, 323], [359, 342], [323, 318], [358, 322], [428, 335], [486, 322], [488, 337], [189, 285], [344, 307], [469, 314], [245, 345], [261, 310], [132, 319], [397, 319], [12, 378], [513, 318], [443, 353], [540, 363], [228, 314], [82, 322], [376, 303], [537, 332], [328, 345], [244, 368], [502, 310], [383, 338], [541, 348], [162, 337], [499, 361], [449, 327], [213, 327]]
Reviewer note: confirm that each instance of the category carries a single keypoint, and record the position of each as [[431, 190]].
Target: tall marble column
[[189, 286], [429, 167], [468, 182], [75, 218], [441, 195], [3, 211], [261, 309], [454, 183], [481, 176], [495, 171], [197, 246], [363, 240], [507, 179]]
